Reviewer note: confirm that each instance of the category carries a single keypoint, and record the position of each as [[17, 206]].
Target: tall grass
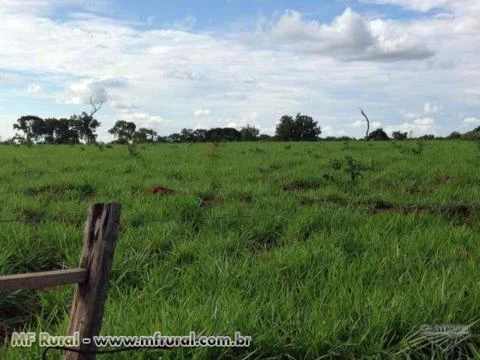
[[344, 261]]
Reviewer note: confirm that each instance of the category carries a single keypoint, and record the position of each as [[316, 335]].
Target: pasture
[[334, 249]]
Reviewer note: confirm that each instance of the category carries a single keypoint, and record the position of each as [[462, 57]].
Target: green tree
[[200, 135], [174, 138], [249, 133], [187, 135], [378, 134], [454, 135], [302, 128], [64, 132], [144, 135], [123, 131], [286, 128], [32, 127], [397, 135], [86, 127]]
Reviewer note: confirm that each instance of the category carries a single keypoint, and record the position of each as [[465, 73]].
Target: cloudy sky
[[412, 65]]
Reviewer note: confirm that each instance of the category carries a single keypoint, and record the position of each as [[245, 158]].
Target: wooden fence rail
[[99, 240]]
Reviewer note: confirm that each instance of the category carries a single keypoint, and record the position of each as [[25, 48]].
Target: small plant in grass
[[288, 147], [335, 164], [419, 149], [212, 151], [328, 177], [133, 150], [353, 168], [100, 146], [349, 165]]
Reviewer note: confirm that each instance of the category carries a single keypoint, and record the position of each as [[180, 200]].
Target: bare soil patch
[[300, 185], [162, 190]]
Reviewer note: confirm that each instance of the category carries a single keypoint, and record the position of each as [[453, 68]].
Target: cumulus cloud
[[46, 6], [201, 112], [349, 38], [34, 88], [471, 120], [426, 121], [185, 75], [430, 108], [10, 79], [98, 90], [362, 124], [418, 127], [142, 119]]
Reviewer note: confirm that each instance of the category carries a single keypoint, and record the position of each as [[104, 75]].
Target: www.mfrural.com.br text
[[44, 339]]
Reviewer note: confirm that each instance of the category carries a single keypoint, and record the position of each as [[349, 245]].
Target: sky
[[412, 65]]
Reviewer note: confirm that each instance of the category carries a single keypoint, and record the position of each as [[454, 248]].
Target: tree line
[[83, 127]]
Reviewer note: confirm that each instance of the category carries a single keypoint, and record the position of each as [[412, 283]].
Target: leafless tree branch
[[368, 123], [95, 108]]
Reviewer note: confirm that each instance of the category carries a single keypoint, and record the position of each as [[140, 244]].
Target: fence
[[92, 276]]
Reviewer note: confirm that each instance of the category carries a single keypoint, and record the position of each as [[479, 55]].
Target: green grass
[[306, 251]]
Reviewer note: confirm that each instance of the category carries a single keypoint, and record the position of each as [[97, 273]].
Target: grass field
[[340, 250]]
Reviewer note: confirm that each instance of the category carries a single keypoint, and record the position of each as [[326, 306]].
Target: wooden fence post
[[88, 304]]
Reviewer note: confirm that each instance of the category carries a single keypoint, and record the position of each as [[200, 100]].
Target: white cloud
[[142, 119], [201, 112], [418, 127], [363, 124], [98, 90], [34, 88], [10, 79], [471, 120], [46, 6], [349, 37], [429, 108], [185, 75], [426, 121]]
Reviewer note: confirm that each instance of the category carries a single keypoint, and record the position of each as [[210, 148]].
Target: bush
[[378, 134]]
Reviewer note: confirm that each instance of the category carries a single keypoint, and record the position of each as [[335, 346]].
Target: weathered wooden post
[[88, 304]]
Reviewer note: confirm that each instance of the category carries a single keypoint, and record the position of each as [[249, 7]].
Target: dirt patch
[[247, 198], [307, 201], [445, 179], [419, 190], [457, 211], [300, 185], [384, 207], [162, 190]]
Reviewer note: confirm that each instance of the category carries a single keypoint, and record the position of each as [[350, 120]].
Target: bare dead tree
[[368, 123], [95, 107]]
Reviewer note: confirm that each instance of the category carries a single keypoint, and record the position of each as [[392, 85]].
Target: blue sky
[[187, 64]]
